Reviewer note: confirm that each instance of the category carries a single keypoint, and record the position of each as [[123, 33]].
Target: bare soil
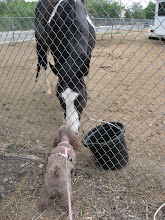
[[125, 84]]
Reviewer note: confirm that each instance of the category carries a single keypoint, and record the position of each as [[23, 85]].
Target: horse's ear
[[53, 69]]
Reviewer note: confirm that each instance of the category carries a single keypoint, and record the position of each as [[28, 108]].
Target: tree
[[18, 8], [128, 13], [103, 8], [150, 10], [137, 11]]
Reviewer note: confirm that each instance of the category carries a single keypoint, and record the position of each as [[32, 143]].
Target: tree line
[[19, 14], [17, 8], [16, 15], [112, 9], [97, 9]]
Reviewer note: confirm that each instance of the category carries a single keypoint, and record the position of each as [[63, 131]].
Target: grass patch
[[12, 145]]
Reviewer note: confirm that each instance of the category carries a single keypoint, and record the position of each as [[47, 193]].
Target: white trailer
[[158, 29]]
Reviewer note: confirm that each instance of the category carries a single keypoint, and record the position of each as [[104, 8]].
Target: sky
[[144, 3]]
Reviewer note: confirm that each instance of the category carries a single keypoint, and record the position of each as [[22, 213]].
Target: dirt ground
[[125, 84]]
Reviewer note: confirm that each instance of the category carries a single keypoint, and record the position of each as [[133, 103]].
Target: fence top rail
[[100, 18]]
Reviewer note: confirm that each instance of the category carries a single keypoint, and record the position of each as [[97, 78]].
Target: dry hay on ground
[[125, 84]]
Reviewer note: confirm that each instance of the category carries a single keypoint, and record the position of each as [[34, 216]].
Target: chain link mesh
[[123, 118]]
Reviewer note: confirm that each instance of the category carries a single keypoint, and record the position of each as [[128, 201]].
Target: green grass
[[12, 145]]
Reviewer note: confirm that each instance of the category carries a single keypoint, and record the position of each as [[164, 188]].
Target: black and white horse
[[65, 29]]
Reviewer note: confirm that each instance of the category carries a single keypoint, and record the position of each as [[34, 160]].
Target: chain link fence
[[125, 108]]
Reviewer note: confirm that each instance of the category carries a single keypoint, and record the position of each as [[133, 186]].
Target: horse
[[64, 28]]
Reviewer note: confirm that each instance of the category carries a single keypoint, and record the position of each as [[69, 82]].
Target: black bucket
[[107, 144]]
